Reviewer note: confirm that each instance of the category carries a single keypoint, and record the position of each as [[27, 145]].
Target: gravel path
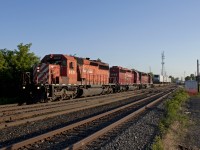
[[191, 139], [136, 134]]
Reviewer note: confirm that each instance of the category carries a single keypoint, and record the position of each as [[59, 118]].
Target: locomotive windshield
[[54, 60], [57, 62], [156, 76]]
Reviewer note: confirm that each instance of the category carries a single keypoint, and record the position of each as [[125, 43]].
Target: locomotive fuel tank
[[90, 92]]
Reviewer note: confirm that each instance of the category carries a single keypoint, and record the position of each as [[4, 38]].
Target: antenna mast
[[163, 57]]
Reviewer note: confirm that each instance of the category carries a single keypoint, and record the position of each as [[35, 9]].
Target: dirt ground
[[186, 137]]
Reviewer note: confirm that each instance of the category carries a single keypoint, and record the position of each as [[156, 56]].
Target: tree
[[23, 60], [187, 78], [192, 77], [2, 62], [12, 64], [6, 72], [173, 80], [7, 57], [17, 61]]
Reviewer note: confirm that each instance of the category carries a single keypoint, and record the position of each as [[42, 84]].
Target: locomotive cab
[[53, 78], [62, 69]]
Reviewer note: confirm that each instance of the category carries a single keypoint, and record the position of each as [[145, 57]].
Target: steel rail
[[103, 131], [37, 118], [62, 104], [8, 107], [61, 130], [4, 108], [57, 108]]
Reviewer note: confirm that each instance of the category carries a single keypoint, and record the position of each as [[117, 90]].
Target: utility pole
[[184, 75], [198, 74], [197, 67]]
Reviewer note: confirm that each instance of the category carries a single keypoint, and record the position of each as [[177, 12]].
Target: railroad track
[[12, 117], [7, 109], [83, 132], [13, 107], [10, 107]]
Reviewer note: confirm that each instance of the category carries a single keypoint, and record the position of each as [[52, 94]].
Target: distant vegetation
[[12, 64], [191, 77], [173, 79]]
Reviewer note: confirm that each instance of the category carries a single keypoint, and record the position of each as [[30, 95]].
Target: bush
[[173, 107], [172, 114]]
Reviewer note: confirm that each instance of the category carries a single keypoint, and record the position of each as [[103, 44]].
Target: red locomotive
[[61, 76], [129, 79]]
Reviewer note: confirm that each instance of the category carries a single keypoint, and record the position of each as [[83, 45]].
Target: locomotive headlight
[[23, 87], [38, 69], [38, 87]]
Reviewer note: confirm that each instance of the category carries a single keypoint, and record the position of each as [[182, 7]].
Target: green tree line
[[191, 77], [12, 64]]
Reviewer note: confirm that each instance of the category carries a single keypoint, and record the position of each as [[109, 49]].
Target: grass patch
[[173, 109], [157, 144]]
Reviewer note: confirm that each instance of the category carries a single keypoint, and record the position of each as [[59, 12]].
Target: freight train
[[60, 76], [159, 79]]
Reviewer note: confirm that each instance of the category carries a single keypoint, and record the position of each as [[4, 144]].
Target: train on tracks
[[60, 76]]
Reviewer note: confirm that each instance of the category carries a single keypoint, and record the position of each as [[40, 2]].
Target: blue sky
[[128, 33]]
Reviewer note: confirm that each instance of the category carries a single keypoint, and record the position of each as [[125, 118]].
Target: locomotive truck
[[60, 76]]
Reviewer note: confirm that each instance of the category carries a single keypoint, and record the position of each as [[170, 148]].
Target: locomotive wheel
[[111, 91], [64, 96], [73, 96], [54, 98]]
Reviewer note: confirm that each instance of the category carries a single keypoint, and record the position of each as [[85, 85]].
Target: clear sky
[[128, 33]]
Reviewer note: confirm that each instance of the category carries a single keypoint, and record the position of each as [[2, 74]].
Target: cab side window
[[71, 65]]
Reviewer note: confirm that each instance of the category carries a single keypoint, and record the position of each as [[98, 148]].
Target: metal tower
[[163, 57]]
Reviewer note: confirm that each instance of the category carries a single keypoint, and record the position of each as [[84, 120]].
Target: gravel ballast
[[136, 134], [15, 134]]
